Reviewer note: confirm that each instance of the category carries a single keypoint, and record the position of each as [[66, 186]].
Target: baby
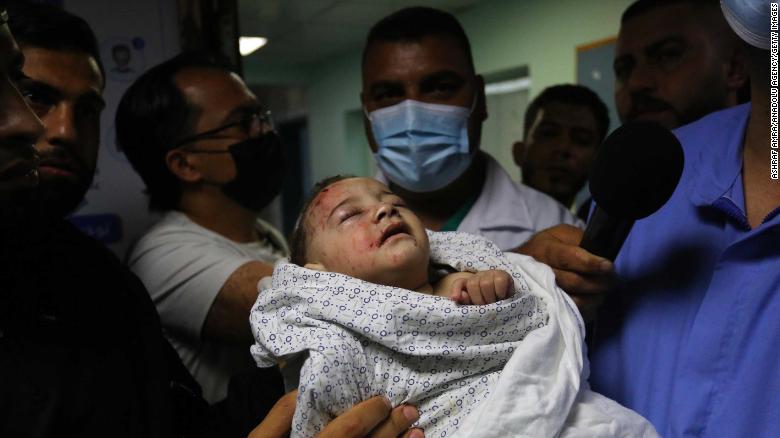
[[356, 315], [358, 227]]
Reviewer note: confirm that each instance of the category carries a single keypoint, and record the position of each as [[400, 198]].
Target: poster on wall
[[594, 70], [132, 36], [124, 57]]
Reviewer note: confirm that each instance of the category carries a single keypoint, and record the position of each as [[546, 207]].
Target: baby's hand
[[483, 287]]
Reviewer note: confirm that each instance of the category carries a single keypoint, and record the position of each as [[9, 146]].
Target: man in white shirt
[[424, 107], [211, 161], [564, 126]]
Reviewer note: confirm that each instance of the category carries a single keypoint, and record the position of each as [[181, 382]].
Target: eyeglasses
[[246, 124]]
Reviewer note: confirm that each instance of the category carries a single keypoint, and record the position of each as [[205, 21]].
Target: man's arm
[[582, 275], [228, 317]]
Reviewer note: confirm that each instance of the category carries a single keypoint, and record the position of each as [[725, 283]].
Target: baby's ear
[[314, 266]]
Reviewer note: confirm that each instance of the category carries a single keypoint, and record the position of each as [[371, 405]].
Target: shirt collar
[[498, 188], [713, 155]]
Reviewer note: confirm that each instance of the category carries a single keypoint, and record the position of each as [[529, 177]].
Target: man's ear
[[737, 68], [481, 105], [518, 152], [314, 266], [367, 124], [178, 163]]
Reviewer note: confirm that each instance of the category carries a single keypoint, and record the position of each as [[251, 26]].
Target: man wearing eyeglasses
[[211, 161]]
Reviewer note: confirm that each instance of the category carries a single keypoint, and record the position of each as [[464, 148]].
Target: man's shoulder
[[176, 228], [508, 212], [174, 234], [715, 125], [522, 201], [67, 238]]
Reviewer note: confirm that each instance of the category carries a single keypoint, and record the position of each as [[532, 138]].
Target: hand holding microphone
[[634, 173]]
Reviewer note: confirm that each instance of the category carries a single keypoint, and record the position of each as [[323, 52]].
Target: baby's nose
[[385, 209]]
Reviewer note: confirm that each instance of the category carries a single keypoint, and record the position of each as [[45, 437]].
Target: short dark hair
[[151, 117], [415, 23], [299, 238], [120, 47], [640, 7], [50, 27], [572, 95]]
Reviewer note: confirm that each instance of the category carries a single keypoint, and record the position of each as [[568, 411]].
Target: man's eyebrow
[[384, 84], [242, 110], [93, 96], [443, 75], [657, 45], [43, 87], [622, 59], [583, 130], [548, 122]]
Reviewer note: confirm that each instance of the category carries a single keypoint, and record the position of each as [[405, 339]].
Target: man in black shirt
[[82, 353]]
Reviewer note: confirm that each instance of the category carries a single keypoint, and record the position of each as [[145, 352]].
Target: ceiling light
[[509, 86], [247, 45]]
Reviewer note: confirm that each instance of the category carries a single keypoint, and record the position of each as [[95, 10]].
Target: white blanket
[[512, 368]]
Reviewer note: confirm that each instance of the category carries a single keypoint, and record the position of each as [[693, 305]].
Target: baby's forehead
[[334, 194]]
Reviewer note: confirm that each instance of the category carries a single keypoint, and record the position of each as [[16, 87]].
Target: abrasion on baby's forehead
[[322, 204], [333, 194], [315, 213]]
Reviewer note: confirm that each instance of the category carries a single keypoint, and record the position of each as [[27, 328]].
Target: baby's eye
[[348, 214]]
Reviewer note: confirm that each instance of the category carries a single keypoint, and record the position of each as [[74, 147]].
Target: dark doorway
[[294, 137]]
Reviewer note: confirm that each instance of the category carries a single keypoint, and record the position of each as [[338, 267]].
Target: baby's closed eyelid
[[343, 216]]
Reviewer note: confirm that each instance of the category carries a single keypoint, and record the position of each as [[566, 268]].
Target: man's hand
[[376, 419], [371, 418], [484, 287], [584, 276], [278, 422]]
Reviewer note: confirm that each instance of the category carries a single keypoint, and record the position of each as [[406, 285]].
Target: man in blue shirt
[[689, 340], [690, 337]]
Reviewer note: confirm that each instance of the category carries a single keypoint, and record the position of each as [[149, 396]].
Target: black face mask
[[260, 171]]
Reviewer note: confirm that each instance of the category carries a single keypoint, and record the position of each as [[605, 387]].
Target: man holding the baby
[[212, 142]]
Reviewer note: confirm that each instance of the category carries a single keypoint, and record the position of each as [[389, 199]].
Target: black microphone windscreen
[[636, 170]]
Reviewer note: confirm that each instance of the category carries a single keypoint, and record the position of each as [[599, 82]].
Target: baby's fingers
[[503, 285], [474, 288], [488, 288], [456, 290]]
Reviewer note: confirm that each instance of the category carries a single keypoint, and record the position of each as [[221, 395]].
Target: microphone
[[634, 173]]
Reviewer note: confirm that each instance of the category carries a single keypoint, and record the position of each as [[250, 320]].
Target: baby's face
[[358, 227]]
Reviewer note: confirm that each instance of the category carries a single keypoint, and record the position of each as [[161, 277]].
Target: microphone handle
[[605, 234]]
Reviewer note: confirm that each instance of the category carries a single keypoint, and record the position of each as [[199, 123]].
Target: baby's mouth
[[392, 230]]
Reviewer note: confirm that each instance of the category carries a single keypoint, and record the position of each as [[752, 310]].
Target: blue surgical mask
[[749, 19], [422, 147]]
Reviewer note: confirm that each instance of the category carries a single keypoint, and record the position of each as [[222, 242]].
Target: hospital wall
[[504, 34]]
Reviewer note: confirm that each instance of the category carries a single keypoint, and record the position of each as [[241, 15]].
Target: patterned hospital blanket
[[512, 368]]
